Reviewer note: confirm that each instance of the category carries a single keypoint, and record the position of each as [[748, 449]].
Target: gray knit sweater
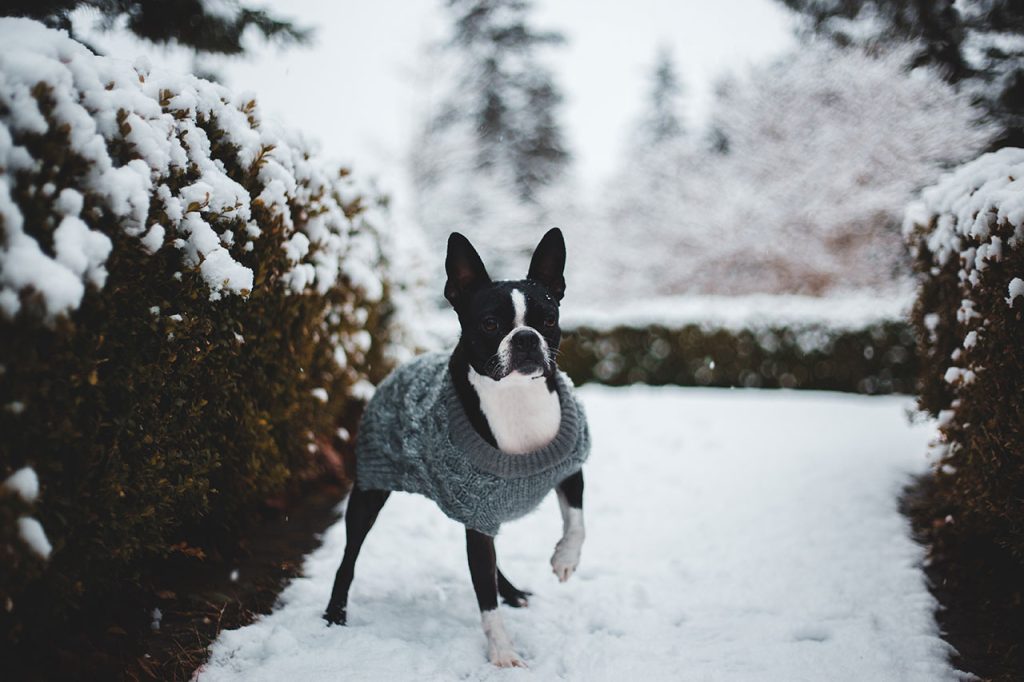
[[415, 436]]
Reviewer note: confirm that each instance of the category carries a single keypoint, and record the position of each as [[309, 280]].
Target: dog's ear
[[548, 263], [464, 268]]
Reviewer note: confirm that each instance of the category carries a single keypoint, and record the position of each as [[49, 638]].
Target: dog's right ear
[[464, 268]]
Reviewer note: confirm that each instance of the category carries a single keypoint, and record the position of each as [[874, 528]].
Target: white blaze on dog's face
[[518, 308]]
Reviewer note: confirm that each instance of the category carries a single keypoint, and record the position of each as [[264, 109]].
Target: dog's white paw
[[499, 644], [567, 556], [505, 658]]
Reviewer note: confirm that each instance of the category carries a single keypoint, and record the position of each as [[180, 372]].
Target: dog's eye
[[550, 321], [489, 325]]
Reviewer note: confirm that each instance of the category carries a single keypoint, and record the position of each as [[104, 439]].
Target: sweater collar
[[485, 457]]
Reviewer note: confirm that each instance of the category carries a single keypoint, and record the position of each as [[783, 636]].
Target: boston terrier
[[486, 432]]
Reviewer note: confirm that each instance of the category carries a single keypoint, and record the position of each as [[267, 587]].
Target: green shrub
[[967, 235], [878, 358], [187, 302]]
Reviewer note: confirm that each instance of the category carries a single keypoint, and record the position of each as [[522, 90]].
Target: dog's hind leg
[[363, 507], [483, 569], [510, 594]]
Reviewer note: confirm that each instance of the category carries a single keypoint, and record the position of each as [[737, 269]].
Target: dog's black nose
[[525, 340]]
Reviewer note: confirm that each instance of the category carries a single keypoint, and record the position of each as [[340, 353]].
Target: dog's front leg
[[567, 552], [483, 569]]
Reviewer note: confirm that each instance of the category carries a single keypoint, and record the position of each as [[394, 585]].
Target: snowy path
[[732, 535]]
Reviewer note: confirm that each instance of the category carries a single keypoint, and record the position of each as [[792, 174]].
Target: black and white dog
[[504, 373]]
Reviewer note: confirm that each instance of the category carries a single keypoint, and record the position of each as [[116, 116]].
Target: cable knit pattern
[[416, 437]]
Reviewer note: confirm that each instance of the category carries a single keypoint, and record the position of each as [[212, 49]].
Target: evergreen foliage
[[662, 121], [233, 321], [205, 26], [512, 98], [492, 153], [978, 44], [646, 198], [967, 235], [878, 358]]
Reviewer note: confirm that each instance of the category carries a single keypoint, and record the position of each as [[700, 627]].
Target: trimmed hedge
[[876, 359], [967, 235], [233, 308]]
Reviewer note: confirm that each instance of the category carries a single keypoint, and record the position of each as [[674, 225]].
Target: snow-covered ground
[[732, 535]]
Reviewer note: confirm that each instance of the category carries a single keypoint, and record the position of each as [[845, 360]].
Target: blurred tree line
[[794, 183], [799, 179]]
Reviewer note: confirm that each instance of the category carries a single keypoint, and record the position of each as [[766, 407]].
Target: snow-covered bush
[[188, 301], [967, 235], [817, 156]]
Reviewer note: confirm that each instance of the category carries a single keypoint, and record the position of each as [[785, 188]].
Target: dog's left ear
[[548, 263]]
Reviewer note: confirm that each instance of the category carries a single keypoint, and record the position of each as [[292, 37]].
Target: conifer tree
[[662, 122], [509, 96], [975, 44], [491, 151], [648, 196], [206, 26]]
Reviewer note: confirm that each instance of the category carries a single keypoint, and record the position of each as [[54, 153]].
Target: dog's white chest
[[522, 413]]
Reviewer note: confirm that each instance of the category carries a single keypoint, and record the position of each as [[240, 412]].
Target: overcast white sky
[[356, 89]]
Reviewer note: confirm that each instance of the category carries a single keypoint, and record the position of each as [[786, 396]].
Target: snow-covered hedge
[[857, 344], [188, 302], [967, 235]]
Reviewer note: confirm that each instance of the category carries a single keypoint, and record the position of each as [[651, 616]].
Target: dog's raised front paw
[[567, 556]]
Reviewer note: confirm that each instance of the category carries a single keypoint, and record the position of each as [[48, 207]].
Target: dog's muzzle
[[527, 352]]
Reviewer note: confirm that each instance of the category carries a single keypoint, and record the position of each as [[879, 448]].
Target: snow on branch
[[965, 205], [969, 225], [168, 160]]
